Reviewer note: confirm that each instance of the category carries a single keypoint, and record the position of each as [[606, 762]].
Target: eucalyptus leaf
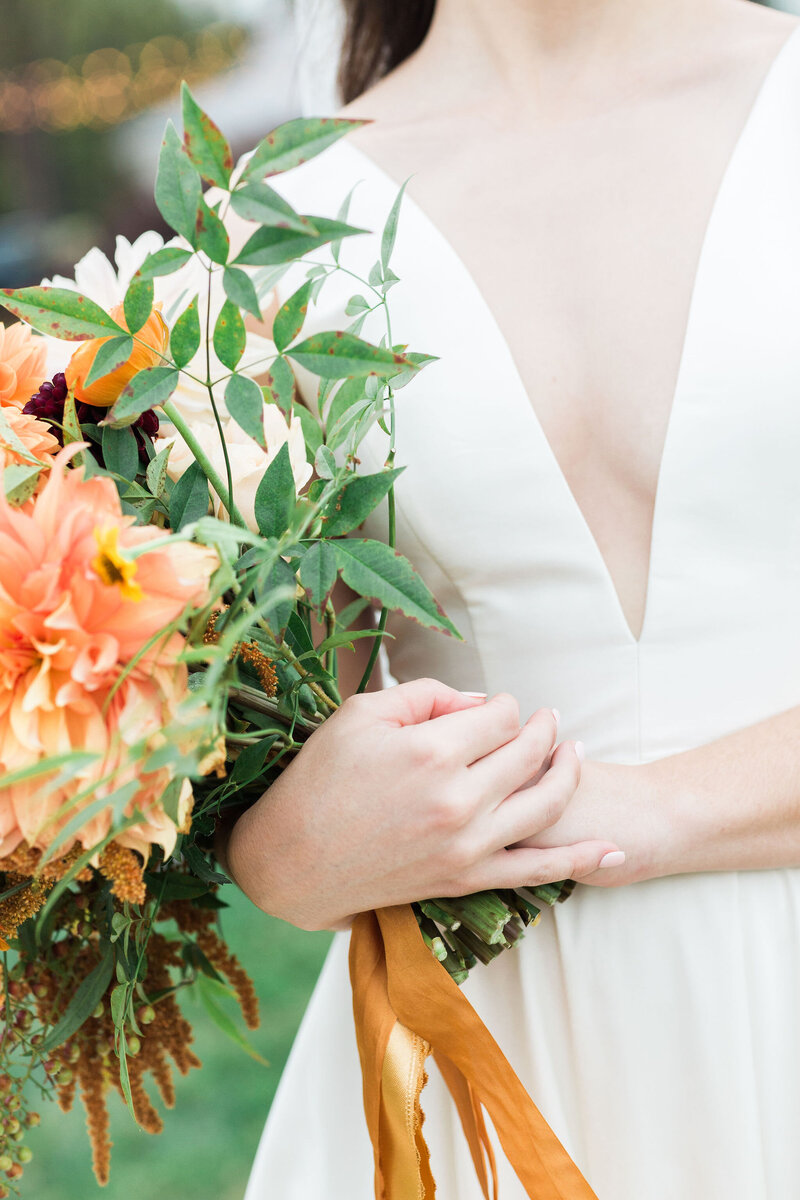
[[318, 572], [138, 302], [204, 143], [59, 312], [295, 142], [279, 385], [19, 482], [184, 341], [390, 230], [189, 500], [377, 572], [276, 496], [230, 336], [241, 291], [271, 245], [359, 497], [291, 316], [156, 473], [259, 202], [165, 261], [244, 401], [178, 192], [111, 355], [147, 389], [337, 355], [120, 451]]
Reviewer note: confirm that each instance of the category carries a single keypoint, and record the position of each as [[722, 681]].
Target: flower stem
[[199, 453]]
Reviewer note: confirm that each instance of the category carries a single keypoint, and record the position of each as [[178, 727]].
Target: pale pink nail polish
[[557, 715], [614, 858], [580, 751], [475, 695]]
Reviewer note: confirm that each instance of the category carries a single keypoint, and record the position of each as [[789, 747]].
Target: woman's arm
[[731, 805]]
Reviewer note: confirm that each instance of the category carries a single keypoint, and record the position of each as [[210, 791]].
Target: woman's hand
[[624, 803], [408, 793]]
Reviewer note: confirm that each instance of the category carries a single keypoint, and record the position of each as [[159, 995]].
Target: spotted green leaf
[[204, 143]]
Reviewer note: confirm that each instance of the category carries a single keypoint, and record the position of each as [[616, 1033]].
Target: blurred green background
[[210, 1137]]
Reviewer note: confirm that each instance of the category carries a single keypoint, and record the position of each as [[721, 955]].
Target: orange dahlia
[[75, 609], [149, 349], [23, 362]]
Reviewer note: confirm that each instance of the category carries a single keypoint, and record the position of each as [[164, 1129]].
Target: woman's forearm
[[730, 805], [734, 804]]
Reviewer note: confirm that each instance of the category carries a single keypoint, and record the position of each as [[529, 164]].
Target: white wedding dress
[[657, 1026]]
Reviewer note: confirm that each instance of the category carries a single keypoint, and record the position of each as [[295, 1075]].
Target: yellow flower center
[[113, 569]]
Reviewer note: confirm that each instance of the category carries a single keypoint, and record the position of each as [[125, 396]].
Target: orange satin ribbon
[[406, 1006]]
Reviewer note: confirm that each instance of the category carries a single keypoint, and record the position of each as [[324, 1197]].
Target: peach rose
[[23, 364], [147, 352]]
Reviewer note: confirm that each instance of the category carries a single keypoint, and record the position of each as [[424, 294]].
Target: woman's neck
[[557, 51]]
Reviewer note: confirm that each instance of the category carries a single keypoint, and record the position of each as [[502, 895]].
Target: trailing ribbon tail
[[406, 1006]]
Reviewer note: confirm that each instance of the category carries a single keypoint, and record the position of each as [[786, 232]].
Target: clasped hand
[[415, 791]]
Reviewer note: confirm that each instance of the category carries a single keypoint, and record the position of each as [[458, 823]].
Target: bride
[[601, 242]]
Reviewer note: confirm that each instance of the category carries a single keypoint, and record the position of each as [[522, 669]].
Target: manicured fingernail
[[556, 715], [580, 751], [614, 858], [475, 695]]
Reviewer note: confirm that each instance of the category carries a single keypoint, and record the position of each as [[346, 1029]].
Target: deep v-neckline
[[695, 293]]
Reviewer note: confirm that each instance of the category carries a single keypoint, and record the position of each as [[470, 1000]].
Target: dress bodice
[[486, 514]]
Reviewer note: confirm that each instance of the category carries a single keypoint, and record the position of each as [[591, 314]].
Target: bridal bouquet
[[172, 524]]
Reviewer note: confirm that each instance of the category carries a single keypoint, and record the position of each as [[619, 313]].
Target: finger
[[525, 813], [532, 868], [421, 700], [475, 732], [498, 774]]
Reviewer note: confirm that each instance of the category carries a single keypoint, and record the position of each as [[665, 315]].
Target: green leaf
[[166, 261], [184, 340], [318, 572], [120, 451], [374, 570], [360, 495], [111, 355], [59, 312], [241, 291], [205, 987], [291, 316], [275, 595], [350, 392], [271, 245], [355, 305], [278, 386], [250, 762], [210, 234], [295, 142], [276, 496], [337, 355], [156, 474], [204, 143], [342, 215], [178, 189], [201, 867], [245, 403], [324, 463], [71, 427], [84, 1001], [312, 430], [19, 482], [418, 361], [138, 302], [230, 336], [147, 389], [189, 499], [259, 202], [390, 230], [119, 1004]]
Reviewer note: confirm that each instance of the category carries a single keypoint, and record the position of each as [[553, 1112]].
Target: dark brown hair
[[379, 35]]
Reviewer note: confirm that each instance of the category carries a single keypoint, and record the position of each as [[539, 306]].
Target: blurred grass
[[210, 1137]]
